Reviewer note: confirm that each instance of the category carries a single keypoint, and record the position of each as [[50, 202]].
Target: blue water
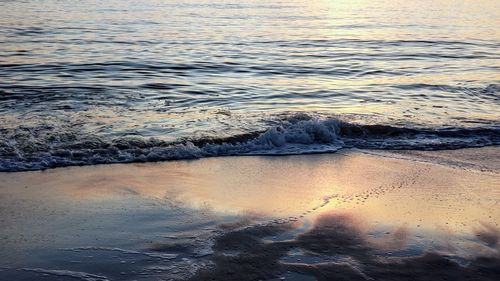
[[87, 82]]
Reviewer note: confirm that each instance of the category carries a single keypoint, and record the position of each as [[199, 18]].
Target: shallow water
[[116, 78]]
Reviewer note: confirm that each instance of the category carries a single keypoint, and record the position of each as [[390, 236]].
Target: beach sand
[[352, 215]]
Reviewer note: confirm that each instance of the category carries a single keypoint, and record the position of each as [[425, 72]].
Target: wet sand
[[352, 215]]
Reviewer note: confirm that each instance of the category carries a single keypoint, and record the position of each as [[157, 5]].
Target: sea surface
[[91, 82]]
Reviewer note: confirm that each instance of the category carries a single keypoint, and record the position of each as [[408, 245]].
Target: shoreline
[[202, 219], [424, 156]]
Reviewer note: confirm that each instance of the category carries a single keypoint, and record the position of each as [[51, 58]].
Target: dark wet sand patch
[[342, 251]]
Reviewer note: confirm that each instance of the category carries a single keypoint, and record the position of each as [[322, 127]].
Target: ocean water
[[90, 82]]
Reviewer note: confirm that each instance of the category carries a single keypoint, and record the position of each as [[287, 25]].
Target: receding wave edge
[[301, 134]]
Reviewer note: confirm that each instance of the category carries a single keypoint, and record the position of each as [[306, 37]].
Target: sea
[[117, 81]]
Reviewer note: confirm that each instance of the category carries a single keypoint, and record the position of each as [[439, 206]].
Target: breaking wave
[[24, 149]]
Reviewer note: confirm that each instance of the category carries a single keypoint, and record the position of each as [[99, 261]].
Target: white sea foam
[[67, 273], [299, 134], [165, 256]]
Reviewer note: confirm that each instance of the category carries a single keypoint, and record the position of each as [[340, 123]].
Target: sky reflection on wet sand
[[395, 210]]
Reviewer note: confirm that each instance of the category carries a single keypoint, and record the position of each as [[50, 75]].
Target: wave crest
[[32, 149]]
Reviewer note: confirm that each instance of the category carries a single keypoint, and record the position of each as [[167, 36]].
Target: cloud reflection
[[336, 247]]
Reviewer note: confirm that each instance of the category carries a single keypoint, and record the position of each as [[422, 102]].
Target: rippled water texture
[[106, 72]]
